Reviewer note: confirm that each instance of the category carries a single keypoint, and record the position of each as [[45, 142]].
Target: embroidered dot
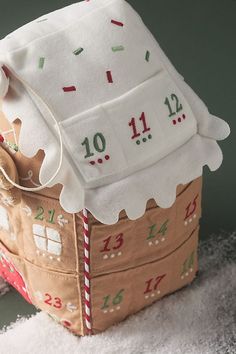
[[156, 242], [107, 157], [191, 270], [105, 256], [119, 253], [179, 120], [118, 48], [144, 140], [182, 277], [117, 23], [118, 308], [92, 162], [146, 297], [78, 51], [163, 239], [152, 295], [69, 88], [100, 161], [147, 56], [174, 122], [183, 116], [138, 142], [105, 311], [109, 77], [150, 136], [112, 255], [194, 216], [59, 259], [41, 62], [186, 274], [150, 243], [190, 220], [111, 310], [185, 223]]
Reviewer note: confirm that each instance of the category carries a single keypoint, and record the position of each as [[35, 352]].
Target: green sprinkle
[[150, 136], [78, 51], [147, 57], [41, 62], [144, 140], [118, 48], [138, 142]]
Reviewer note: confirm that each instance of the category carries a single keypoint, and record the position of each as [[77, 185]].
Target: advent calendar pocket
[[58, 294], [131, 132], [49, 239]]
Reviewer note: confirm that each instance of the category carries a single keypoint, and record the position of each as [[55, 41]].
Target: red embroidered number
[[153, 283], [55, 302], [132, 124], [118, 243], [191, 208]]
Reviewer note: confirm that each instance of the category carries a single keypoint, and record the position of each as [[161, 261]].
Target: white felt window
[[47, 239]]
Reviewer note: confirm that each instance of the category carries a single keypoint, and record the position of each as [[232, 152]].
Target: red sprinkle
[[92, 162], [100, 161], [179, 120], [117, 23], [69, 88], [1, 139], [107, 157], [183, 116], [174, 122], [109, 77]]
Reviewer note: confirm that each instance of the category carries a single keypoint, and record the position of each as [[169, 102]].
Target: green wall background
[[199, 38]]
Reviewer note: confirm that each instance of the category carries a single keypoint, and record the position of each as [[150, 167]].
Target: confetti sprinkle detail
[[69, 88], [41, 62], [147, 56], [109, 77], [78, 51], [118, 48], [117, 23]]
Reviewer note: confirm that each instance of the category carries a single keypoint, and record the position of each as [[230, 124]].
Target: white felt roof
[[132, 129]]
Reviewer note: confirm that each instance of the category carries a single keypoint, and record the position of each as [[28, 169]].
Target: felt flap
[[124, 135]]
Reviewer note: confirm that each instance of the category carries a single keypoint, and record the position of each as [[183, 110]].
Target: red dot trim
[[174, 122]]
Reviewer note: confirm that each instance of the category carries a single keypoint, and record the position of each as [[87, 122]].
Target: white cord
[[35, 189]]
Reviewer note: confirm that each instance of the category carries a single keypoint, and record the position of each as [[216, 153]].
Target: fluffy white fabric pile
[[199, 319]]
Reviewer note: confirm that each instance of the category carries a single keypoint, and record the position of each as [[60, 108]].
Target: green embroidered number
[[99, 144], [87, 146], [40, 213], [153, 230], [116, 300], [51, 216], [178, 105], [188, 264]]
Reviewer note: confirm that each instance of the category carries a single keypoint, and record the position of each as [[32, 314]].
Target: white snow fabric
[[132, 129]]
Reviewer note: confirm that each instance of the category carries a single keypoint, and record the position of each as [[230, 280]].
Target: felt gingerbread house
[[103, 145]]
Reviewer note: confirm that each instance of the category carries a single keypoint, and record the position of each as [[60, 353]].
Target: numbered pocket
[[49, 239], [189, 207], [57, 294], [94, 146]]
